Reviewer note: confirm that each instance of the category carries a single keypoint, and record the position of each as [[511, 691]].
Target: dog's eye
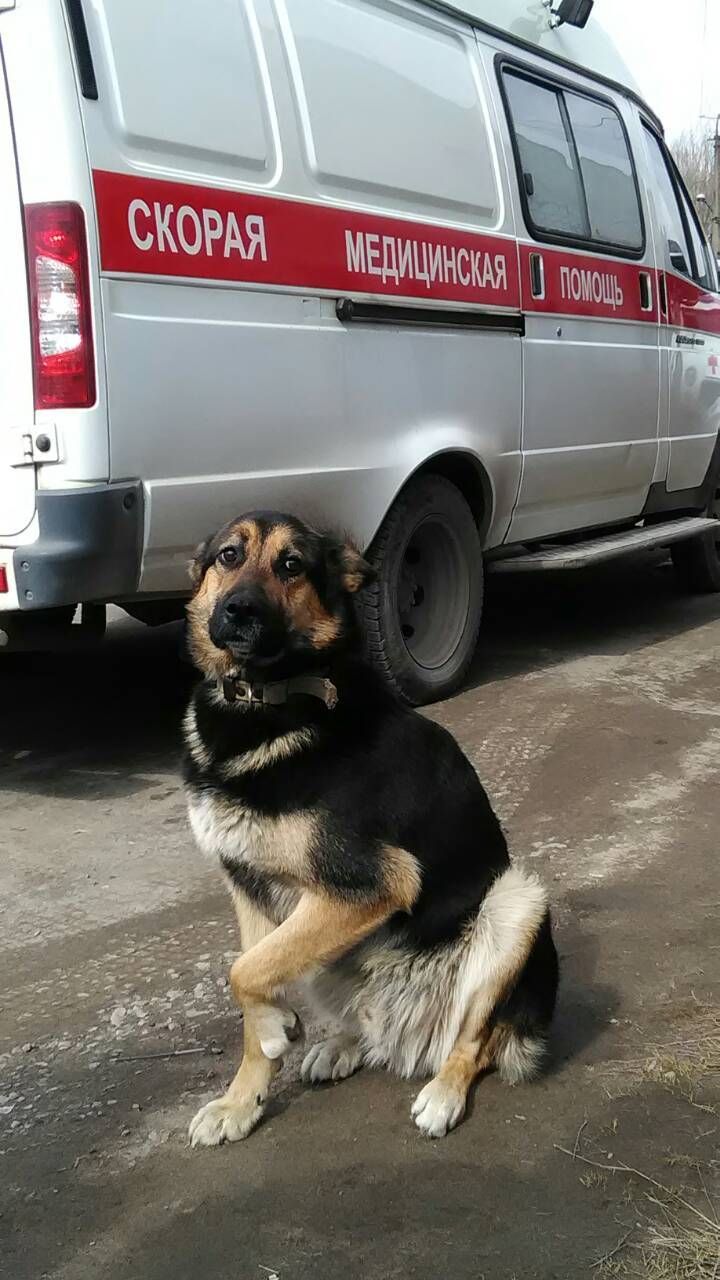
[[228, 556], [292, 565]]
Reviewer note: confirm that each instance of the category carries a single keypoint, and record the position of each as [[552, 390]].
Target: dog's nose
[[242, 606]]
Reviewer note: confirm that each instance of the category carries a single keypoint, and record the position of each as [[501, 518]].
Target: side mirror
[[574, 12]]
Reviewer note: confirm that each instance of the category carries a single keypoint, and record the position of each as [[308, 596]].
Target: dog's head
[[271, 597]]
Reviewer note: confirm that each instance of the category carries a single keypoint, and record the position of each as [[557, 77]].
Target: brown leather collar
[[276, 692]]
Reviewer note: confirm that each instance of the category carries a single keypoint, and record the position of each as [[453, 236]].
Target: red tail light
[[63, 360], [3, 580]]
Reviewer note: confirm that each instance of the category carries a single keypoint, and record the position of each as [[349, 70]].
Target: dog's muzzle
[[247, 624]]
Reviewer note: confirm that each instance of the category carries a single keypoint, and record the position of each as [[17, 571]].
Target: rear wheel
[[697, 560], [422, 615]]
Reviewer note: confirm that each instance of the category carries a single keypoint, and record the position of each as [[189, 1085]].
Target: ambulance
[[421, 271]]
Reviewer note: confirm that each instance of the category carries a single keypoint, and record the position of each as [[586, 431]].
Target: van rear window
[[576, 174]]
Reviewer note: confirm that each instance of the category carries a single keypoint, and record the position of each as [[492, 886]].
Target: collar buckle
[[277, 692], [242, 691]]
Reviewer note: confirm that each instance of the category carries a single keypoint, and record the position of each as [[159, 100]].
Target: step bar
[[579, 555]]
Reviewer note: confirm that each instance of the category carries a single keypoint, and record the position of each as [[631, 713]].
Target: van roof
[[527, 22]]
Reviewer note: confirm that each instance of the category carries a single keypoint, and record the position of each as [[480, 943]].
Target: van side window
[[684, 247], [577, 180], [606, 171], [549, 173], [702, 274]]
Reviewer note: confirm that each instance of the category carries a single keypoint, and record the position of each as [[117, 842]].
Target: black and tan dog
[[361, 850]]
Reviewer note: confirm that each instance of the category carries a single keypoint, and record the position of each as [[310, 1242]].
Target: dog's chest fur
[[225, 828], [264, 855]]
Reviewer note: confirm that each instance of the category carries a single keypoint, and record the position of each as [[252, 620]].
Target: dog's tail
[[522, 1022], [518, 1057]]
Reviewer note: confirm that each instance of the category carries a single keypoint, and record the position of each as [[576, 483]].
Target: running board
[[579, 554]]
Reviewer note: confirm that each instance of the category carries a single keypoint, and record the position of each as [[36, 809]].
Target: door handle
[[537, 275], [645, 291]]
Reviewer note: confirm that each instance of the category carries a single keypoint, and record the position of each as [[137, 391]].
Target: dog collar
[[276, 692]]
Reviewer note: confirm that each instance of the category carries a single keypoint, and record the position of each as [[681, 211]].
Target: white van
[[421, 270]]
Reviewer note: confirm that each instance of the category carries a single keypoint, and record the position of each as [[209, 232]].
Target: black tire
[[697, 560], [421, 616]]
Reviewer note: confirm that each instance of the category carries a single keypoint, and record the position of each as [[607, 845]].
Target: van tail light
[[3, 580], [63, 358]]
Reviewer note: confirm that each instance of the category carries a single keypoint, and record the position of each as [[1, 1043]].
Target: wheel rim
[[433, 592]]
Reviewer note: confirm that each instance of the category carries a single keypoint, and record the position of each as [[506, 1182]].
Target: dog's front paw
[[277, 1029], [438, 1108], [332, 1059], [225, 1120]]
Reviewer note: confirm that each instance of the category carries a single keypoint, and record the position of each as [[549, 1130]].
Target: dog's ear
[[200, 562], [352, 569]]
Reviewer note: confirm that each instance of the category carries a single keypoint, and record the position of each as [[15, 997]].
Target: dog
[[363, 856]]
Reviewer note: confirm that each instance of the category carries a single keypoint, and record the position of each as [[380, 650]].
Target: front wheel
[[697, 560], [422, 615]]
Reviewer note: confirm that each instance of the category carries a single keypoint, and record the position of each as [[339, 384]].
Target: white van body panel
[[306, 412], [389, 428]]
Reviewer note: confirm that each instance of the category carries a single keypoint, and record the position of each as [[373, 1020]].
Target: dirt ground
[[593, 716]]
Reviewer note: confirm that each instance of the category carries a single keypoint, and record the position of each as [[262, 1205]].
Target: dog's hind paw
[[224, 1120], [277, 1028], [438, 1108], [331, 1059]]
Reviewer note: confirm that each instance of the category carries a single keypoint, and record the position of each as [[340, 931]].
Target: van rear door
[[17, 481]]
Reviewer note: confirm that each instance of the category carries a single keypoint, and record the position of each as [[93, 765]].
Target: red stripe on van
[[691, 307], [579, 284], [155, 227], [151, 226]]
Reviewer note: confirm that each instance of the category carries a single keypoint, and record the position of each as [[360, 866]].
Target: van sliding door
[[591, 367]]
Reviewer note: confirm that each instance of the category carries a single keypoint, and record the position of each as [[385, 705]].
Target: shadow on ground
[[91, 722], [533, 621], [117, 709]]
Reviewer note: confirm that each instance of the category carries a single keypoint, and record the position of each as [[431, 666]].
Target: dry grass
[[676, 1235], [676, 1252], [683, 1063], [681, 1241], [670, 1252]]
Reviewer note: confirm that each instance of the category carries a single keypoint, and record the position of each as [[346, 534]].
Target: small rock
[[27, 1048], [117, 1017]]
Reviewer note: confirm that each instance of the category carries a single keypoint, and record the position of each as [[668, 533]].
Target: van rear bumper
[[89, 547]]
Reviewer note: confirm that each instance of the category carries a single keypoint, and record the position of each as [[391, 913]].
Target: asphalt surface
[[593, 717]]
